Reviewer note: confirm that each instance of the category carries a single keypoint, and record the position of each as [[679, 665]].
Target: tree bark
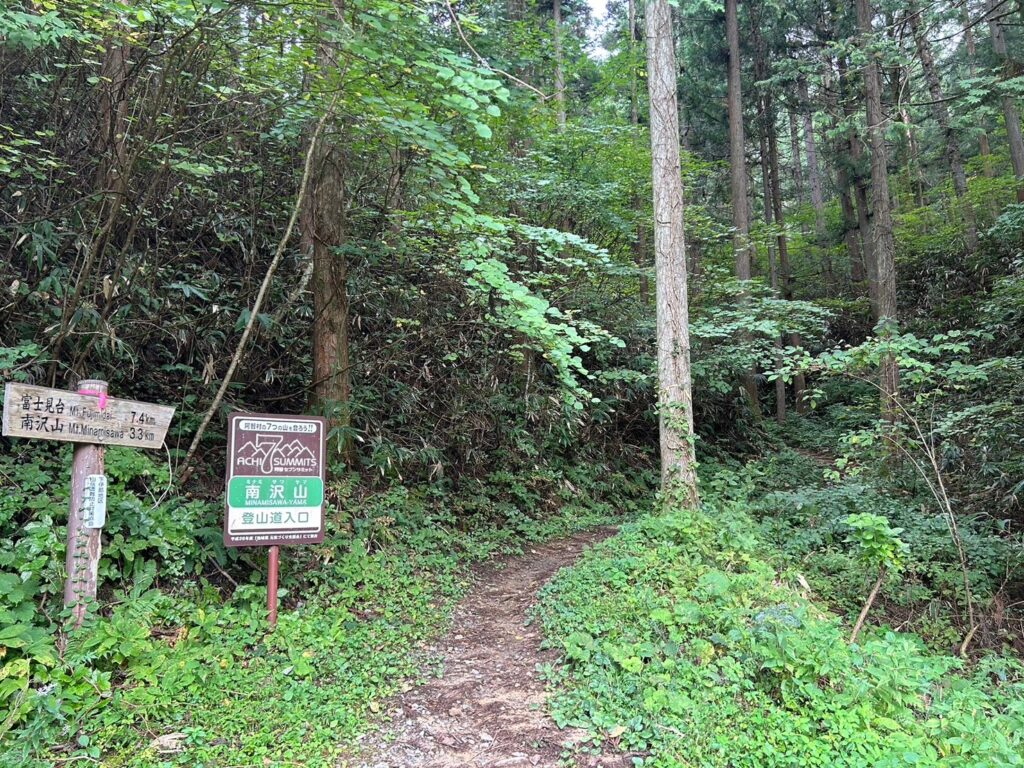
[[851, 234], [322, 231], [881, 222], [856, 156], [634, 100], [737, 158], [813, 169], [559, 65], [322, 228], [1010, 113], [798, 162], [773, 277], [738, 175], [814, 181], [941, 114], [984, 148], [640, 244], [675, 398]]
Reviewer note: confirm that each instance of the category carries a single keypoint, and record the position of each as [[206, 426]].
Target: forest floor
[[485, 708]]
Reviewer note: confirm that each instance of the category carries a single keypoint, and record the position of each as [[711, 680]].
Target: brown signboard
[[83, 417], [275, 480]]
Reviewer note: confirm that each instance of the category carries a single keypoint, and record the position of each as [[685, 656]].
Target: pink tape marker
[[101, 395]]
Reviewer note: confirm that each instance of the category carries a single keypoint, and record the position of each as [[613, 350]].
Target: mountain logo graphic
[[271, 452]]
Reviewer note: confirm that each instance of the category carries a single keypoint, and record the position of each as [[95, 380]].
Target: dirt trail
[[486, 709]]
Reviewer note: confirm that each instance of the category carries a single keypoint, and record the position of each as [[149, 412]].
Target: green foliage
[[682, 643], [878, 544], [174, 647]]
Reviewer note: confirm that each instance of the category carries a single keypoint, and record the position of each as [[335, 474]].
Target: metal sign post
[[275, 486], [273, 565], [91, 420]]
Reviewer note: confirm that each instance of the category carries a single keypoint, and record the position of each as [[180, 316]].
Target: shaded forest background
[[449, 206]]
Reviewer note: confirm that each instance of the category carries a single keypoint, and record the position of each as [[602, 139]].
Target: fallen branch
[[867, 606]]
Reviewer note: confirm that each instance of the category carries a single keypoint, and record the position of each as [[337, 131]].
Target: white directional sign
[[83, 417]]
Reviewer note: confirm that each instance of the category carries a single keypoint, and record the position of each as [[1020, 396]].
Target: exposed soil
[[486, 707]]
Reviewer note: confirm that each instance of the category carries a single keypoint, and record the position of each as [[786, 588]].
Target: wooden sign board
[[275, 480], [54, 414]]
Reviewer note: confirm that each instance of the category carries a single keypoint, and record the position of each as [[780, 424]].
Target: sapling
[[880, 548]]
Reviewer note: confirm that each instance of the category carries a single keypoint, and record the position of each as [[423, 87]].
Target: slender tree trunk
[[867, 605], [640, 244], [675, 398], [773, 276], [738, 175], [559, 65], [881, 230], [786, 272], [972, 64], [322, 232], [798, 162], [941, 115], [851, 234], [1010, 113], [737, 155], [634, 97], [111, 144], [814, 180]]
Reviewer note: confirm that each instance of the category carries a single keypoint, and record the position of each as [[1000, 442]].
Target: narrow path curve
[[486, 708]]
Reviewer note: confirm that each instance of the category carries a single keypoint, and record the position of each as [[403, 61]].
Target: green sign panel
[[269, 492]]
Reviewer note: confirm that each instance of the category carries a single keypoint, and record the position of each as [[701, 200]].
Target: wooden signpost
[[92, 420], [275, 486]]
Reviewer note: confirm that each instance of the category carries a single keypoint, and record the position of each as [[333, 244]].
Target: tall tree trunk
[[634, 100], [941, 115], [738, 175], [322, 228], [640, 244], [814, 176], [881, 220], [111, 143], [798, 162], [972, 64], [856, 155], [775, 176], [675, 398], [1010, 113], [851, 233], [773, 276], [559, 65], [737, 154]]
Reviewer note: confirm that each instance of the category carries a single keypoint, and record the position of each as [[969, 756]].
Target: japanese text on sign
[[275, 484]]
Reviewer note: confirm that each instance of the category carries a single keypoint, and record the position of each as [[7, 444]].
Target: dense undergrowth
[[178, 667], [721, 636]]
